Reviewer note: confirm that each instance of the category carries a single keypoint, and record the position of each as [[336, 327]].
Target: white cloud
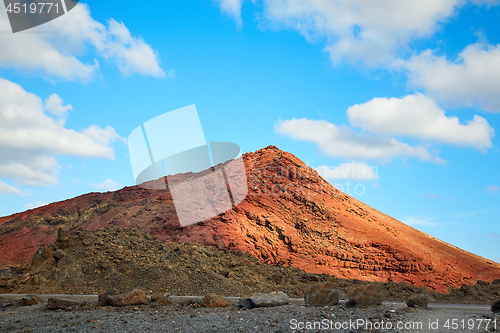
[[342, 141], [352, 170], [232, 8], [52, 49], [418, 116], [372, 32], [36, 204], [54, 105], [8, 189], [419, 220], [473, 79], [108, 185], [492, 189], [30, 139]]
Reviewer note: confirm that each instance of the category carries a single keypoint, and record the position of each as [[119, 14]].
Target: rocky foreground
[[202, 318], [92, 262]]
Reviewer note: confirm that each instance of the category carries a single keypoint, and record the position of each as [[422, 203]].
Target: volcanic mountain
[[291, 217]]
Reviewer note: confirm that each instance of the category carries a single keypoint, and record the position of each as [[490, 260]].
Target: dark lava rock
[[417, 301], [64, 304], [495, 307], [30, 300]]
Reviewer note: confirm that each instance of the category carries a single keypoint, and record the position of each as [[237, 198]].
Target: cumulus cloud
[[108, 185], [372, 32], [232, 8], [418, 116], [30, 139], [473, 79], [54, 105], [492, 189], [8, 189], [52, 49], [344, 142], [352, 170]]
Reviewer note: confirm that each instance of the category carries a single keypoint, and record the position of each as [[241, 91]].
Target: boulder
[[215, 301], [103, 298], [366, 296], [64, 303], [417, 301], [135, 297], [40, 255], [30, 300], [495, 307], [159, 300], [264, 300], [8, 273], [58, 255], [322, 294], [496, 281]]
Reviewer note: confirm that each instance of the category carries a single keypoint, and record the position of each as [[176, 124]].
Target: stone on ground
[[135, 297], [215, 301], [30, 300], [264, 300], [417, 301], [159, 300], [64, 303], [322, 294], [366, 296]]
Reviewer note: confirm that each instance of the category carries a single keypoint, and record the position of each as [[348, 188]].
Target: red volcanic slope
[[291, 216]]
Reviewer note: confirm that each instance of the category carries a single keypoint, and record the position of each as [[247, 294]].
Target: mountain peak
[[291, 217]]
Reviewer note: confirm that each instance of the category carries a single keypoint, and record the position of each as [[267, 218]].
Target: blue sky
[[399, 99]]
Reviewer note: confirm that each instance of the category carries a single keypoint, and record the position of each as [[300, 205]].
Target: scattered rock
[[159, 300], [322, 294], [495, 307], [264, 300], [482, 283], [40, 255], [417, 301], [62, 240], [366, 296], [30, 300], [8, 273], [135, 297], [64, 303], [58, 254], [215, 301], [104, 298]]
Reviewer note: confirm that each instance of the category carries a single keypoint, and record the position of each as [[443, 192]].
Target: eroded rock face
[[291, 217]]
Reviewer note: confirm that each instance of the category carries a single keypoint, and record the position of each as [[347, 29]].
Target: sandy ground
[[390, 317]]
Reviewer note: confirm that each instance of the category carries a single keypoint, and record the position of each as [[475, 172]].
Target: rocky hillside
[[90, 262], [291, 217]]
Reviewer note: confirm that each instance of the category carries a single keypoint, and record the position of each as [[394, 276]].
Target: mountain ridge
[[291, 217]]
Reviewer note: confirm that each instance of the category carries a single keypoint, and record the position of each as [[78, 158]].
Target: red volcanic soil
[[291, 217]]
